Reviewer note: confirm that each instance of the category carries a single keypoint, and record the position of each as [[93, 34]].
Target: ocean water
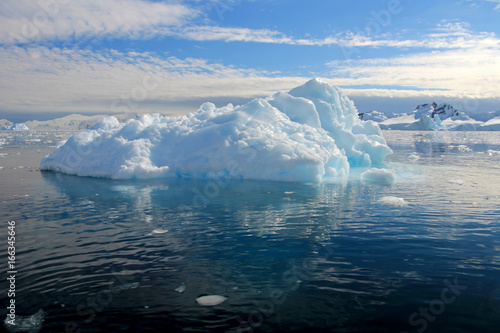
[[99, 255]]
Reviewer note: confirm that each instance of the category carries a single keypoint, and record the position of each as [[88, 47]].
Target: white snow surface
[[310, 134]]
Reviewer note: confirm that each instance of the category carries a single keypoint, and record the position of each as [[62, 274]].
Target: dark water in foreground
[[106, 256]]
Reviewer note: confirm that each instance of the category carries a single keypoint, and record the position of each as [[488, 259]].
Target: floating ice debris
[[126, 286], [392, 201], [30, 324], [310, 134], [384, 176], [160, 231], [180, 289], [457, 181], [211, 300], [464, 148], [413, 157]]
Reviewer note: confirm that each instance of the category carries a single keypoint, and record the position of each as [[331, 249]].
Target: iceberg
[[16, 127], [425, 123], [310, 134]]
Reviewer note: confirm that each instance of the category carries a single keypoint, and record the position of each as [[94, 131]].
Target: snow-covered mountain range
[[66, 123], [431, 116]]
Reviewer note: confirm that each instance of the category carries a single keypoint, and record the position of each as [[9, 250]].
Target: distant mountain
[[434, 117], [71, 123], [444, 111]]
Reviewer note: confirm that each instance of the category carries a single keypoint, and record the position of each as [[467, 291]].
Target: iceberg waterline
[[310, 134]]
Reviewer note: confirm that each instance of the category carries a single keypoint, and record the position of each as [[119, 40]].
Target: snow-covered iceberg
[[310, 134], [16, 127]]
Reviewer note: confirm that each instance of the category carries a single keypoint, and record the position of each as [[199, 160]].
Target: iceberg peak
[[309, 134]]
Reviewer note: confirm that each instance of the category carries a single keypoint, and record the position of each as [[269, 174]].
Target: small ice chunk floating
[[211, 300]]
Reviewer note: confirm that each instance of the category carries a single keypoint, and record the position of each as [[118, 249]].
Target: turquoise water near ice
[[101, 255]]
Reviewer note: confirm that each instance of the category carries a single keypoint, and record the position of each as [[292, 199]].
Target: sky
[[120, 56]]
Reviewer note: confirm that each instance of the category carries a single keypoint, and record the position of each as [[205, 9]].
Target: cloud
[[74, 80], [24, 21], [447, 35], [496, 1], [59, 79], [460, 63], [63, 79], [472, 72], [228, 34]]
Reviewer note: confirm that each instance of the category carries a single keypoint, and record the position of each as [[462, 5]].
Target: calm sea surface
[[101, 255]]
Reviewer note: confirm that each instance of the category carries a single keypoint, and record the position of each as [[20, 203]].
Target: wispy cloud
[[447, 35], [26, 21], [495, 1], [229, 34]]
